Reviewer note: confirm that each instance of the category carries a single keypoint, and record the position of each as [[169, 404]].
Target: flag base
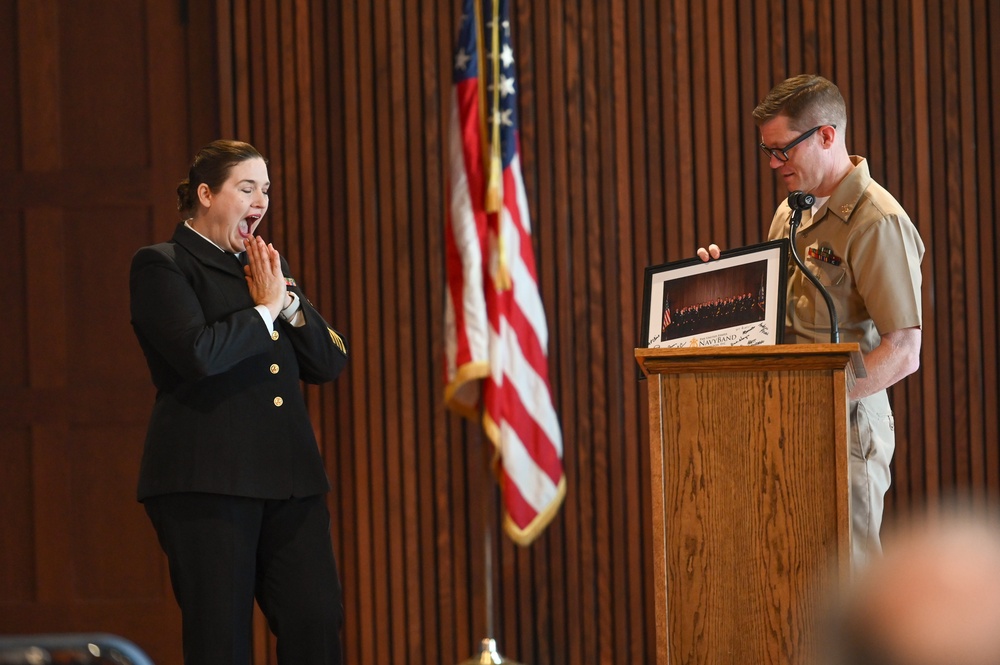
[[488, 655]]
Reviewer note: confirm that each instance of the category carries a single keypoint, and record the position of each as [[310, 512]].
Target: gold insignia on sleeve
[[337, 340]]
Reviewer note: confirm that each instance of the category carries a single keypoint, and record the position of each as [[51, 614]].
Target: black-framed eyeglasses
[[781, 154]]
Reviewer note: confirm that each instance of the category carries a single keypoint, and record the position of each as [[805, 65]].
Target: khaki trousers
[[872, 443]]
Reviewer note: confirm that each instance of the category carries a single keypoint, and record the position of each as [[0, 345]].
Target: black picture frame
[[735, 300]]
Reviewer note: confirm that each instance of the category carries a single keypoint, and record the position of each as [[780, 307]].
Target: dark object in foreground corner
[[70, 649]]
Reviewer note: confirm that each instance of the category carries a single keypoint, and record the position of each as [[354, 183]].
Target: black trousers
[[224, 551]]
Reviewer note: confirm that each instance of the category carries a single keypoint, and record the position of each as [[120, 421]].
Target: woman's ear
[[205, 195]]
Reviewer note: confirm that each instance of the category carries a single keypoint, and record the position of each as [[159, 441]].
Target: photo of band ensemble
[[697, 304]]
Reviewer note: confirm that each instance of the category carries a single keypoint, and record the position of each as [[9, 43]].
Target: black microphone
[[799, 201]]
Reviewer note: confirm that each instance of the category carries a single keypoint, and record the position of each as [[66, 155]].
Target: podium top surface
[[753, 358]]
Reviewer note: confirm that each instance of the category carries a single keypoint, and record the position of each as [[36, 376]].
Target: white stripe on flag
[[512, 367], [463, 224], [532, 482]]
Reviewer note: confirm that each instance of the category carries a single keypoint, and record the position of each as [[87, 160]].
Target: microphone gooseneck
[[799, 201]]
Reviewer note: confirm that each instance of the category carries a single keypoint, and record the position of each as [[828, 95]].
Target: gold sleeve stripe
[[338, 341]]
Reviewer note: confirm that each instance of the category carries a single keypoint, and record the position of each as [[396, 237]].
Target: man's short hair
[[807, 100]]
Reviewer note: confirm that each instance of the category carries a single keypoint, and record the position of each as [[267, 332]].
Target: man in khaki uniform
[[861, 245]]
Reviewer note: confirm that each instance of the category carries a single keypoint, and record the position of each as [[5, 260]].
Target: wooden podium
[[751, 501]]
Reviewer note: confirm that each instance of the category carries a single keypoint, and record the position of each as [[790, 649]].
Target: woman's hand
[[264, 277]]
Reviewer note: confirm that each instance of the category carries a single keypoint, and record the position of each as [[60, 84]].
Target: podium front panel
[[750, 507]]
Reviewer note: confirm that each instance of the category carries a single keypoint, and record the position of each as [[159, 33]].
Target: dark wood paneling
[[637, 146], [9, 113], [104, 123], [99, 126], [17, 566]]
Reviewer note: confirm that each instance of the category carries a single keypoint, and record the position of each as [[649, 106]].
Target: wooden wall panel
[[98, 112], [637, 147], [17, 569]]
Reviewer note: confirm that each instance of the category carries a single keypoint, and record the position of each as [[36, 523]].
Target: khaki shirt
[[866, 252]]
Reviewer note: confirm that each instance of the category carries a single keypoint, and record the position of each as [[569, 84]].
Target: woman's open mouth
[[247, 224]]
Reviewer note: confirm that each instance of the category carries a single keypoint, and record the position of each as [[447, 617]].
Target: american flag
[[496, 346]]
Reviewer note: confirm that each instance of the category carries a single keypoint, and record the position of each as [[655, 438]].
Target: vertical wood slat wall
[[637, 146]]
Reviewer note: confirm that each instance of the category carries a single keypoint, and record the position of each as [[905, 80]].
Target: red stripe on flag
[[519, 511], [466, 350], [542, 451], [513, 207]]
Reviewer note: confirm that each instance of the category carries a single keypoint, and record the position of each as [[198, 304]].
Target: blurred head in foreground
[[934, 598]]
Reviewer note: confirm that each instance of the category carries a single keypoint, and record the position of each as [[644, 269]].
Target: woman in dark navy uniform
[[231, 474]]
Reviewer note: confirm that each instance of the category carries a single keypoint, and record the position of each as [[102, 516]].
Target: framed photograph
[[735, 300]]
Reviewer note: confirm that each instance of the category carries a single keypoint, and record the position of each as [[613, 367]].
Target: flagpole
[[488, 653], [488, 551], [485, 222]]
